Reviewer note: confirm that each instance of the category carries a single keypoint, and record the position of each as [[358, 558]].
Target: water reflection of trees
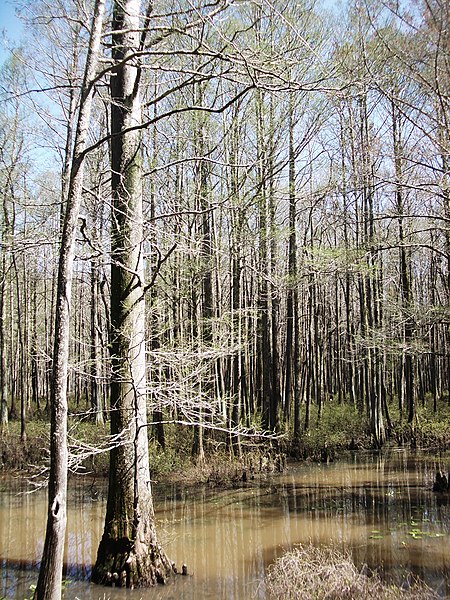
[[369, 506], [383, 510]]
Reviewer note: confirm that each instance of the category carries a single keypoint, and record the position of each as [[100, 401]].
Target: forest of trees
[[251, 202]]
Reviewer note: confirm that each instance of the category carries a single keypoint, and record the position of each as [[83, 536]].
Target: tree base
[[127, 563]]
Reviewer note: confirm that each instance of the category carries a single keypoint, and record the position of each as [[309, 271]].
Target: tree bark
[[407, 368], [291, 369], [129, 550], [50, 574]]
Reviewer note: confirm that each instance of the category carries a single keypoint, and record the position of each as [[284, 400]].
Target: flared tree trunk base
[[126, 563]]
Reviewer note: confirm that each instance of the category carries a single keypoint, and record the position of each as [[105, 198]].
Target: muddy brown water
[[380, 507]]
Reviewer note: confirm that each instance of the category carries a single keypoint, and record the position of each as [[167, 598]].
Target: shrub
[[340, 427], [18, 455], [310, 573], [431, 429]]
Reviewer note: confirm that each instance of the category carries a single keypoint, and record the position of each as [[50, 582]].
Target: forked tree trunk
[[50, 574], [129, 553]]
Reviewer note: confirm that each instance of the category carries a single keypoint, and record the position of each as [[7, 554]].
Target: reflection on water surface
[[379, 507]]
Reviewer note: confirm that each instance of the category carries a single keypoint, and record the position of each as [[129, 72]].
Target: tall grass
[[310, 573]]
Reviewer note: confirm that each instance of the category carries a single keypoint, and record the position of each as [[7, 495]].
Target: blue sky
[[10, 27]]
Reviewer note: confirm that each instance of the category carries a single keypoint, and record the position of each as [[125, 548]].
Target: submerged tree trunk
[[129, 553], [50, 574]]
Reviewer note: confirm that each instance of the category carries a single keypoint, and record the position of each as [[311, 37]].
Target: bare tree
[[129, 549], [50, 574]]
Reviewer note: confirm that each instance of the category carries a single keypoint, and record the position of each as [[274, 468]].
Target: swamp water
[[379, 507]]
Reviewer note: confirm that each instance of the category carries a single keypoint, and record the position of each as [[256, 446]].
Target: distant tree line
[[296, 213]]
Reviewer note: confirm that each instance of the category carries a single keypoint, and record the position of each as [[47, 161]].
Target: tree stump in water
[[441, 484]]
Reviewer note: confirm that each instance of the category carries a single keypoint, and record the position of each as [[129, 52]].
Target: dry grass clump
[[310, 573]]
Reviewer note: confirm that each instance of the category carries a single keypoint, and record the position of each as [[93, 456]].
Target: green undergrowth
[[431, 429], [345, 427], [217, 466], [17, 454], [341, 427]]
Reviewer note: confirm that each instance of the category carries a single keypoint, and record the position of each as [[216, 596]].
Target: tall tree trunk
[[129, 551], [263, 332], [95, 358], [407, 369], [21, 329], [444, 145], [4, 387], [290, 369], [35, 395], [369, 315], [50, 574], [155, 341], [206, 259], [275, 395]]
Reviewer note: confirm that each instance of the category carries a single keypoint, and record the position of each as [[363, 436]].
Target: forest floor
[[340, 427]]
